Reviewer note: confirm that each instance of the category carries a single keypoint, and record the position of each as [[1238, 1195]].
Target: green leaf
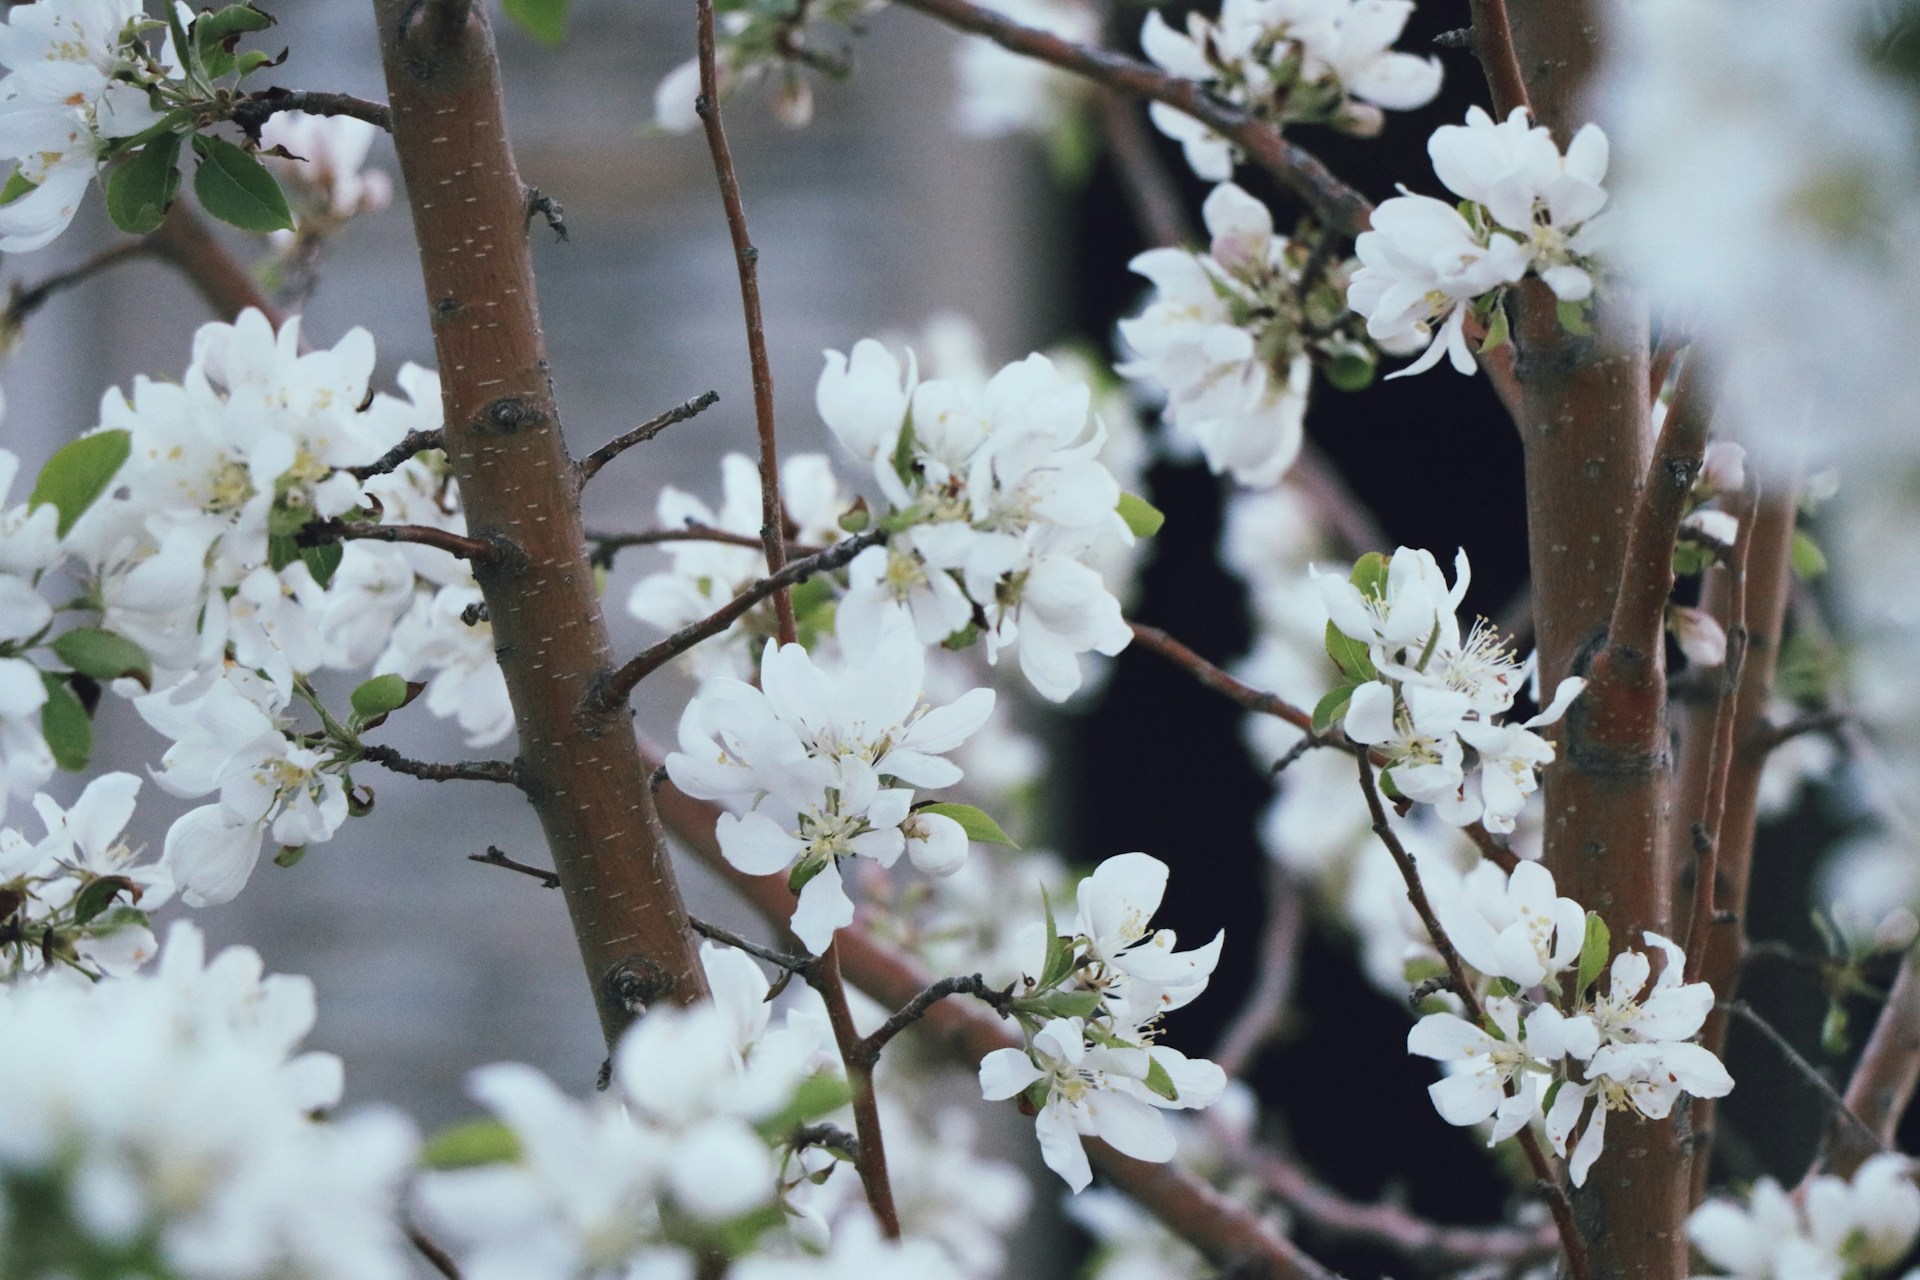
[[1059, 950], [17, 185], [103, 655], [544, 20], [64, 723], [1063, 1004], [803, 872], [219, 26], [1573, 318], [961, 639], [467, 1145], [282, 550], [1351, 370], [237, 189], [76, 476], [1690, 559], [1497, 331], [1593, 953], [1809, 561], [98, 894], [290, 855], [380, 695], [1327, 711], [974, 822], [1349, 655], [1141, 516], [322, 561], [817, 1096], [1370, 575], [1160, 1082]]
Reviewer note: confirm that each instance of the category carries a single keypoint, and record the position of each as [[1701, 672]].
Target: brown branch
[[226, 286], [415, 442], [618, 685], [747, 259], [608, 545], [1769, 738], [1220, 1228], [800, 963], [493, 857], [1000, 999], [320, 532], [591, 464], [503, 444], [1220, 682], [1265, 1010], [27, 299], [251, 113], [1493, 45], [1638, 624], [1883, 1080], [1807, 1072], [1337, 205], [825, 978], [437, 1258], [1571, 1240], [1153, 197], [505, 771]]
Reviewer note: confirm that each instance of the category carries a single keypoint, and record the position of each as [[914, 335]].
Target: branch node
[[538, 202], [493, 857]]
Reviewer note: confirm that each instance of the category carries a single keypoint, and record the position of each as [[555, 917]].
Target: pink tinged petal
[[1060, 1146], [1467, 1098], [824, 907], [1130, 1126], [756, 844], [1005, 1073], [1448, 1038]]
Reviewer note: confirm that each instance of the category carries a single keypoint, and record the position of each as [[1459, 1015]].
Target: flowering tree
[[1543, 842]]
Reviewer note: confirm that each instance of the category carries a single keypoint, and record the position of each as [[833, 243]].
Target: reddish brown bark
[[582, 771]]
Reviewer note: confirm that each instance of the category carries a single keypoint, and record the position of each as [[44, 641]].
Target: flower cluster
[[823, 764], [996, 504], [775, 41], [1863, 1226], [1231, 336], [1286, 62], [78, 80], [1626, 1050], [692, 1152], [1427, 265], [1090, 1008], [1424, 696], [163, 1125]]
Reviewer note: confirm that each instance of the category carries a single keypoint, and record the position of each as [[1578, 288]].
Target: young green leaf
[[1497, 332], [98, 894], [1809, 561], [1573, 318], [1141, 516], [76, 476], [544, 20], [817, 1096], [1351, 371], [1349, 655], [64, 723], [804, 871], [379, 696], [1327, 711], [142, 190], [290, 855], [237, 189], [1059, 962], [322, 561], [465, 1146], [17, 185], [223, 26], [1593, 952], [103, 655], [974, 822], [1370, 575], [1160, 1082]]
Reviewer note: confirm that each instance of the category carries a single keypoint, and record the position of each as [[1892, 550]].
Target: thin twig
[[868, 1050], [437, 1258], [1493, 45], [591, 464], [778, 959], [1265, 1011], [392, 460], [605, 546], [252, 112], [1883, 1081], [614, 690], [1638, 624], [1337, 205], [1219, 681], [747, 259], [1153, 197], [503, 771], [28, 299], [824, 977], [1775, 736], [1493, 848], [320, 532], [1571, 1240], [1720, 754], [1802, 1068], [493, 857], [223, 283]]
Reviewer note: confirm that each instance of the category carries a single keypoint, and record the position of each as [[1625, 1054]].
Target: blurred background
[[872, 220]]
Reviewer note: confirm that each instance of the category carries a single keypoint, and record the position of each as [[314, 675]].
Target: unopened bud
[[1724, 470], [1699, 634]]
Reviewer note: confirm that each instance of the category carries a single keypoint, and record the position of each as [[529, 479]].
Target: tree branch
[[1638, 625], [1493, 45], [868, 1050], [1806, 1071], [251, 113], [1220, 682], [226, 286], [1153, 197], [1222, 1229], [618, 685], [825, 978], [415, 442], [505, 771], [608, 545], [320, 532], [1337, 205], [591, 464], [1571, 1240], [1883, 1080], [27, 299], [493, 857]]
